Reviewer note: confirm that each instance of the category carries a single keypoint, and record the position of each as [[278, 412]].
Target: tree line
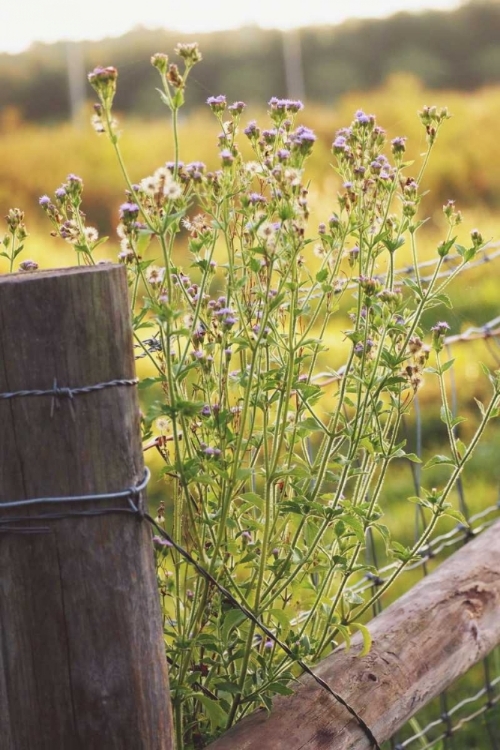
[[457, 50]]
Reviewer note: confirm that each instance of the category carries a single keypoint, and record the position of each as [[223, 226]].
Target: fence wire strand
[[442, 731]]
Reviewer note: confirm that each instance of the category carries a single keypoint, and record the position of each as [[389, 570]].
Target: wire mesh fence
[[467, 715]]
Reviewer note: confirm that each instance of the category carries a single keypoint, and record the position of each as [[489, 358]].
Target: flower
[[398, 145], [217, 103], [285, 105], [227, 157], [237, 107], [252, 130], [160, 542], [189, 52], [28, 265], [155, 275], [129, 211], [91, 234]]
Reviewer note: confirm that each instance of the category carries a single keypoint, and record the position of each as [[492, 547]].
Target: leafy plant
[[275, 456]]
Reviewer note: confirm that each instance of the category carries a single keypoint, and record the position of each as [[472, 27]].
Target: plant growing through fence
[[274, 479]]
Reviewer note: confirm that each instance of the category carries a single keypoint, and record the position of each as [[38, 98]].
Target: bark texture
[[421, 644], [82, 662]]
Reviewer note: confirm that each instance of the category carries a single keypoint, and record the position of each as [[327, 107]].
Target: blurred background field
[[390, 67]]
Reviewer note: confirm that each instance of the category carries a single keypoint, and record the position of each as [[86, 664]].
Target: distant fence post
[[82, 662]]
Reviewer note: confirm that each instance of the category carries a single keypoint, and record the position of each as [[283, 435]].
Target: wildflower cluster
[[68, 220], [276, 480], [13, 241]]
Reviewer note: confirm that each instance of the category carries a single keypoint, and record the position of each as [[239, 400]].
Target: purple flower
[[160, 543], [227, 157], [237, 107], [252, 130], [441, 328], [206, 411], [364, 119], [303, 139], [256, 198], [229, 322], [102, 75], [211, 452], [398, 145], [129, 211], [285, 105], [60, 193], [217, 103], [269, 136], [340, 143], [196, 166], [44, 201]]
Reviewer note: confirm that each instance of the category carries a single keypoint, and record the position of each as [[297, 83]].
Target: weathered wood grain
[[82, 662], [421, 644]]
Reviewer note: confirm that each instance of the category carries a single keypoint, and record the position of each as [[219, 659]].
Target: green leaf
[[444, 299], [227, 687], [232, 619], [148, 382], [461, 448], [401, 553], [283, 620], [322, 275], [213, 709], [164, 98], [278, 687], [439, 460], [252, 499], [447, 365], [367, 639], [356, 526], [445, 414], [413, 457], [457, 516], [143, 241], [480, 406]]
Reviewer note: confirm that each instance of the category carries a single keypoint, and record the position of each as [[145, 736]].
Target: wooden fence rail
[[421, 644], [82, 661]]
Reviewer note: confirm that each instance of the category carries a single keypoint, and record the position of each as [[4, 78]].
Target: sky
[[25, 21]]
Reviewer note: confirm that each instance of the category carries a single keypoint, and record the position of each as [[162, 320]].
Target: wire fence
[[467, 715]]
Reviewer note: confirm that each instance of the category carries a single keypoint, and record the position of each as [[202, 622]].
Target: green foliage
[[276, 480]]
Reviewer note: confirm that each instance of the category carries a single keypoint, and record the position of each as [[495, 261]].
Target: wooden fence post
[[426, 639], [82, 662]]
